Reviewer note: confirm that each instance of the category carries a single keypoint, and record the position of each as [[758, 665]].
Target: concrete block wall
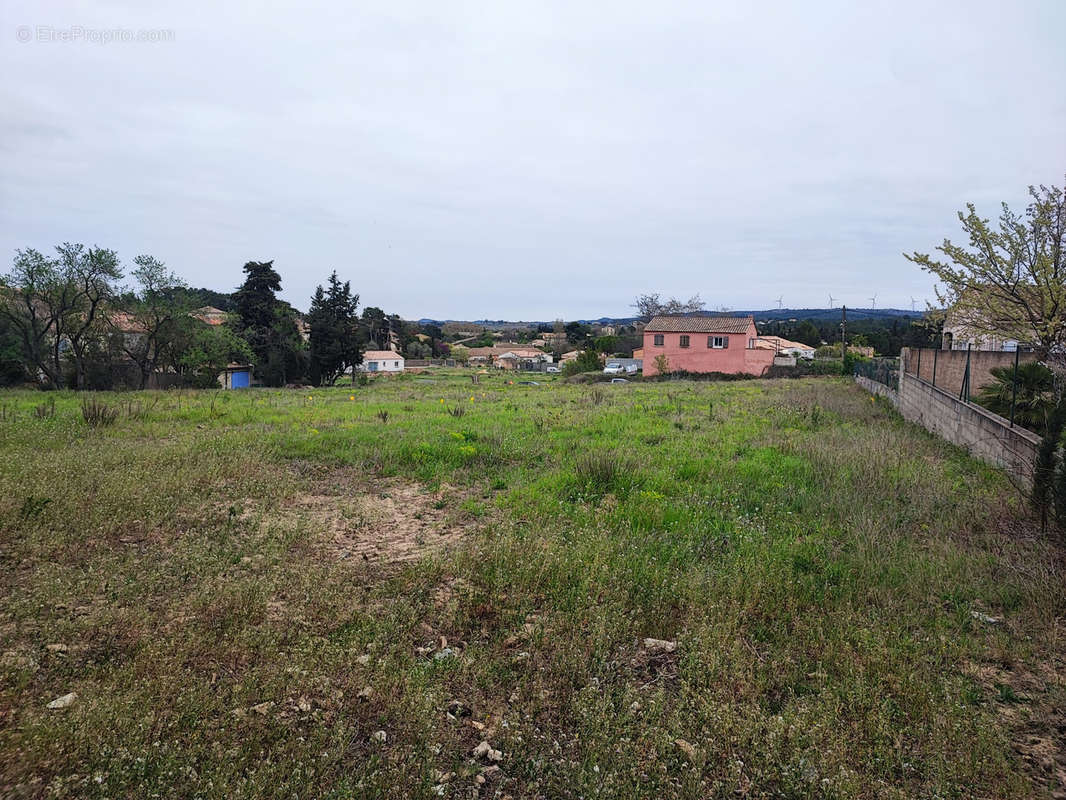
[[985, 435], [873, 387], [951, 366]]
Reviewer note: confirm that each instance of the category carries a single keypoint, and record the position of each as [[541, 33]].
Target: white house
[[785, 347], [381, 361]]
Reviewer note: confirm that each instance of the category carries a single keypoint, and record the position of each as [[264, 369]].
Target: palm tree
[[1035, 396]]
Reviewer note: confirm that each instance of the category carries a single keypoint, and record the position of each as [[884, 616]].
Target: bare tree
[[650, 305], [1011, 280]]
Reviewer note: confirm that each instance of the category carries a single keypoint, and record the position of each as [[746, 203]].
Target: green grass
[[816, 559]]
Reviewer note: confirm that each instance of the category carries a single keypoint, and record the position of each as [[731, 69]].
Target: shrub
[[45, 410], [599, 473], [97, 413], [1035, 399]]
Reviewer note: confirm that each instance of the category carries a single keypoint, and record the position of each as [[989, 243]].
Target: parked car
[[553, 369], [619, 380], [613, 368], [632, 369], [528, 383]]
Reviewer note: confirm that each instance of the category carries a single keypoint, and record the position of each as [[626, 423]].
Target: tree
[[417, 349], [460, 354], [54, 305], [199, 352], [269, 325], [576, 332], [92, 272], [155, 311], [586, 361], [650, 305], [1010, 281], [333, 319], [12, 367], [376, 327], [808, 333]]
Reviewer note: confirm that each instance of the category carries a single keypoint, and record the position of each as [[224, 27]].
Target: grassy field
[[342, 593]]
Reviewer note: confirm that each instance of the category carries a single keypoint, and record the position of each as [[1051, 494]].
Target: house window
[[751, 344], [396, 363], [718, 342], [684, 340], [658, 340]]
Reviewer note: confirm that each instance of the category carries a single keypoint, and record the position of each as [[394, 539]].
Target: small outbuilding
[[236, 376], [382, 361]]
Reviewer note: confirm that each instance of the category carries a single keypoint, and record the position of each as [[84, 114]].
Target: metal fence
[[882, 370]]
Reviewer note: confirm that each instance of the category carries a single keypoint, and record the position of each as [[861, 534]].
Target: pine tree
[[269, 326], [335, 340]]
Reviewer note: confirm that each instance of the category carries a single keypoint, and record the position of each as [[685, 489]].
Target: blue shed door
[[239, 379]]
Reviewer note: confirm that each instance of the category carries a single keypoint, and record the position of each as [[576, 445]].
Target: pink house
[[704, 344]]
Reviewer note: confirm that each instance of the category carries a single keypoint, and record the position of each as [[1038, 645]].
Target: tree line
[[68, 321]]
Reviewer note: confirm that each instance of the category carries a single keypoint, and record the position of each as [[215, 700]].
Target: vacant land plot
[[674, 590]]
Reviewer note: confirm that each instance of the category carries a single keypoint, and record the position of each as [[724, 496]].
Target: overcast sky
[[530, 160]]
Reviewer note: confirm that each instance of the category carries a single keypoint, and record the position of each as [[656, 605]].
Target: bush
[[1035, 400], [685, 375], [98, 414], [597, 474]]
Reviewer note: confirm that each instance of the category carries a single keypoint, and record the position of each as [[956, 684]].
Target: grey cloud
[[532, 159]]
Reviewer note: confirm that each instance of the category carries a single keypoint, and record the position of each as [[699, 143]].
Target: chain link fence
[[882, 370]]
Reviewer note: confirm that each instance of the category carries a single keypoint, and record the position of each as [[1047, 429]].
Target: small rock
[[364, 659], [659, 646], [263, 708], [380, 737], [980, 616], [687, 748], [485, 750], [303, 704], [479, 726], [458, 709], [66, 701], [366, 693], [634, 707], [56, 648], [479, 780]]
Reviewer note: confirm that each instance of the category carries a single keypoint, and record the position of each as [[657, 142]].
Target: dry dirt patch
[[1030, 706], [389, 522]]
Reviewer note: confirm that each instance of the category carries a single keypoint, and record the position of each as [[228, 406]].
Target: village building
[[785, 347], [382, 361], [704, 344]]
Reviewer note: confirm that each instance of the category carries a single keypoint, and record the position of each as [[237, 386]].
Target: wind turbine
[[779, 299], [873, 302], [831, 299], [914, 304]]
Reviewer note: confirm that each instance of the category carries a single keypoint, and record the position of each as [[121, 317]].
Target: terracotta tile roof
[[381, 355], [695, 324]]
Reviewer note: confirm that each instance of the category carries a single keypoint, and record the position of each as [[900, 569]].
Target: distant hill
[[764, 315]]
